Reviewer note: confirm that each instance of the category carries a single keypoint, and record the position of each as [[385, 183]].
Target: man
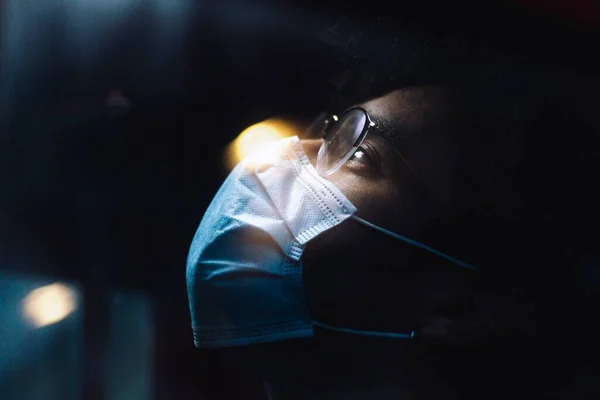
[[417, 244]]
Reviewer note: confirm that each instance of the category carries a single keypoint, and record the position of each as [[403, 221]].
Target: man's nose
[[311, 148]]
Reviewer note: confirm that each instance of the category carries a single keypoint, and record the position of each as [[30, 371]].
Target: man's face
[[398, 179]]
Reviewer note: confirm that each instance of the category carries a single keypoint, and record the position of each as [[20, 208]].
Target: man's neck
[[338, 366]]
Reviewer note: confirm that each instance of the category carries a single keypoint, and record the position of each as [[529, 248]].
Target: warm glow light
[[256, 138], [49, 304]]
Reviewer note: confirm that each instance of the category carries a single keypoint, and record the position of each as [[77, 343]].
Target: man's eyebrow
[[385, 128]]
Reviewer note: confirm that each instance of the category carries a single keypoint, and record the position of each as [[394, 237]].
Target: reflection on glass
[[256, 138], [41, 339], [49, 304]]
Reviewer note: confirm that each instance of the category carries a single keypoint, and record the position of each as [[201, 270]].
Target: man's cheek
[[361, 192]]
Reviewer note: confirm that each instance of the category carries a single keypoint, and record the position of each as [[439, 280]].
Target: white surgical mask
[[244, 268]]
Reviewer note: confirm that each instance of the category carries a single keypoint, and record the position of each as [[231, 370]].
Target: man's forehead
[[407, 106]]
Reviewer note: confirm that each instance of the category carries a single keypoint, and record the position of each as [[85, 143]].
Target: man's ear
[[445, 330], [436, 327]]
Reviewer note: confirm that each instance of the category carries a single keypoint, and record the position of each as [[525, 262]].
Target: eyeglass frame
[[361, 136], [369, 124]]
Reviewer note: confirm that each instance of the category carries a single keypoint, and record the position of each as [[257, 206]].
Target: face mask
[[244, 269]]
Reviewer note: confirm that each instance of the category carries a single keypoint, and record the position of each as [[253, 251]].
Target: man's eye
[[365, 160], [360, 155], [361, 159]]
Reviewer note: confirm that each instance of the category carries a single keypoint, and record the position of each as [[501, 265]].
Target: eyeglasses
[[342, 136]]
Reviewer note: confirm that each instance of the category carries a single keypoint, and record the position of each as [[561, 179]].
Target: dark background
[[110, 196]]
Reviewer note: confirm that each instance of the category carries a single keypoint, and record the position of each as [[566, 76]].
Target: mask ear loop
[[392, 335], [416, 244], [389, 335]]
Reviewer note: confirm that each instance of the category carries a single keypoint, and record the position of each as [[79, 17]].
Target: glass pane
[[130, 366], [41, 339]]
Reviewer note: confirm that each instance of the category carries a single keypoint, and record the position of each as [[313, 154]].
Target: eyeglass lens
[[338, 145], [320, 126]]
